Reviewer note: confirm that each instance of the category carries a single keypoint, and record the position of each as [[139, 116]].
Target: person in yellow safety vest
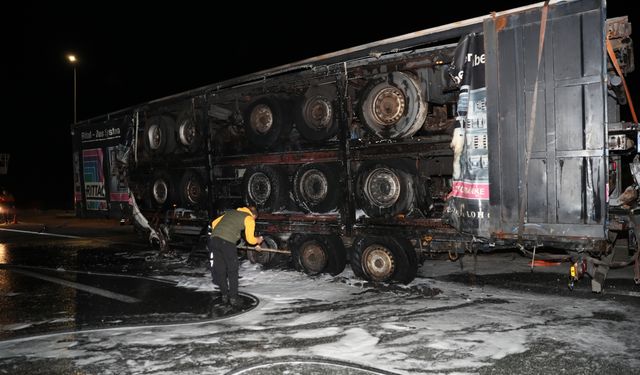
[[225, 234]]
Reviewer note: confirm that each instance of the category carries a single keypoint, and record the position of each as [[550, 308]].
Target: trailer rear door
[[566, 180]]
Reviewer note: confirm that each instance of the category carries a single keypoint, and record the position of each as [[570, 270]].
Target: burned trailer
[[488, 133]]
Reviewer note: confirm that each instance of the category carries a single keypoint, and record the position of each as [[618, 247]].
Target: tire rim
[[318, 112], [187, 132], [382, 187], [313, 257], [261, 119], [160, 191], [313, 186], [259, 188], [193, 191], [378, 262], [155, 137], [388, 106]]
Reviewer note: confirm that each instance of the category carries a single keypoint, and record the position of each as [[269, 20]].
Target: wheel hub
[[160, 191], [194, 191], [155, 137], [313, 256], [378, 262], [259, 188], [388, 106], [187, 132], [382, 187], [261, 118], [314, 186], [318, 112]]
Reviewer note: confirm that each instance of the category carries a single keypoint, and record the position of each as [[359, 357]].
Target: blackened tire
[[385, 189], [315, 254], [265, 187], [192, 190], [162, 191], [159, 135], [266, 122], [355, 260], [391, 106], [407, 275], [264, 258], [315, 113], [315, 187], [339, 255], [384, 259], [190, 131]]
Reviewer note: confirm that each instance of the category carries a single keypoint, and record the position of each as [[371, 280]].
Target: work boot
[[235, 301], [225, 299]]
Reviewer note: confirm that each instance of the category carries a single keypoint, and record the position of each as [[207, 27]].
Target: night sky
[[132, 54]]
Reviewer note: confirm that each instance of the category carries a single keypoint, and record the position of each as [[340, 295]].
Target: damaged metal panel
[[566, 170]]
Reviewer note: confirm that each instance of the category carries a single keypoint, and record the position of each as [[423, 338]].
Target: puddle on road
[[47, 289]]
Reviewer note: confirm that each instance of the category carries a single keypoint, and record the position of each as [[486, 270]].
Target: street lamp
[[74, 62]]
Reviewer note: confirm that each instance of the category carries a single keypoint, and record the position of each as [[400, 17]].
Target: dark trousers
[[224, 272]]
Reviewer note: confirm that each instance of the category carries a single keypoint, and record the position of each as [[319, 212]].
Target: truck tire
[[355, 260], [384, 189], [189, 130], [265, 187], [315, 188], [265, 122], [193, 191], [315, 114], [267, 260], [384, 259], [162, 191], [391, 106], [339, 255], [409, 273], [315, 254], [159, 136]]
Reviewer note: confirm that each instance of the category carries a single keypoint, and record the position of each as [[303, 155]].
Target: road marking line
[[4, 266], [40, 233], [86, 288]]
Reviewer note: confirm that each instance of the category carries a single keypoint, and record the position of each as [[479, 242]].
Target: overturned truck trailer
[[498, 131]]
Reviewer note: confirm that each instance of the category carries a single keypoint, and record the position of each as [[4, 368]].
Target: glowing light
[[4, 254], [72, 59]]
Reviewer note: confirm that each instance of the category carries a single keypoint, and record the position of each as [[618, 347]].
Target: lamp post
[[74, 62]]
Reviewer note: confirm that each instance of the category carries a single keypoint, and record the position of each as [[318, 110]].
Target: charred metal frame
[[430, 48]]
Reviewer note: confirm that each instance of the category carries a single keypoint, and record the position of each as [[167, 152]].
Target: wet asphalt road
[[61, 284], [53, 284]]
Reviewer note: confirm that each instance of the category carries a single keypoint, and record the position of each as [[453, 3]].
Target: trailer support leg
[[600, 274], [533, 258]]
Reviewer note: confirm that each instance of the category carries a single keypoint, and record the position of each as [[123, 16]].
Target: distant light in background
[[4, 254], [74, 62]]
